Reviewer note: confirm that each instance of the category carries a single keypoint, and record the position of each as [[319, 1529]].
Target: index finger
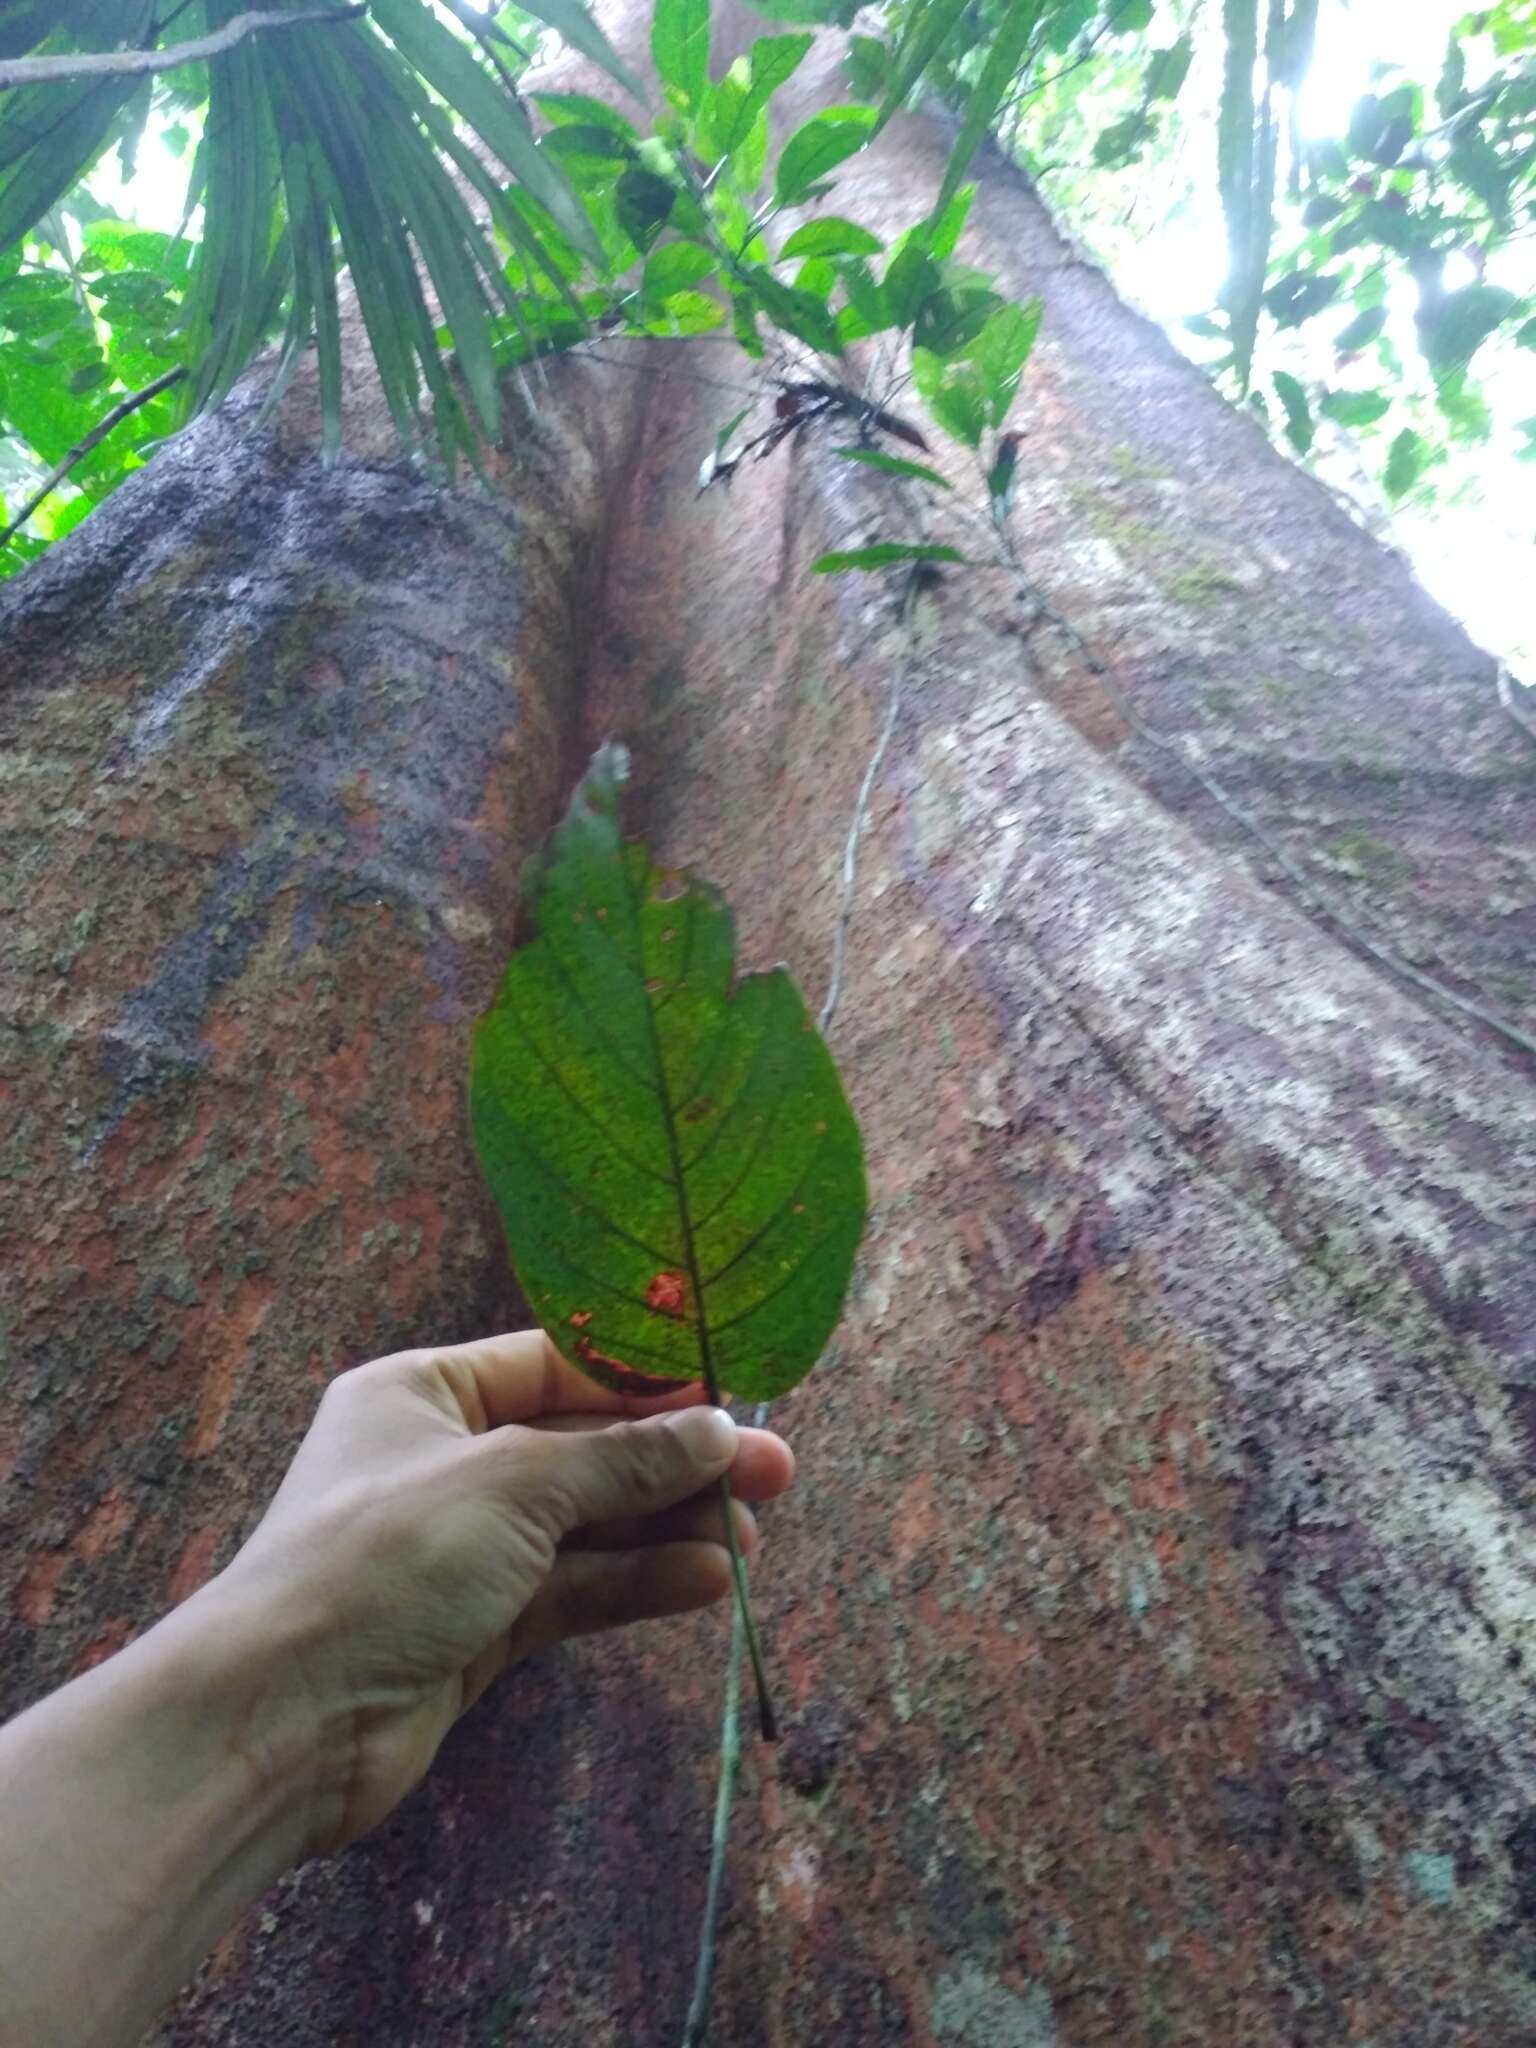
[[515, 1377]]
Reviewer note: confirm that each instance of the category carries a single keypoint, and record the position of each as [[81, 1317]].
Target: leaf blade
[[675, 1162]]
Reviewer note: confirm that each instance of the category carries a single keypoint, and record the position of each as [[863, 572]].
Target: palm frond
[[360, 142]]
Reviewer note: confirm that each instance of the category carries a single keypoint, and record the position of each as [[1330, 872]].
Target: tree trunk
[[1153, 1610]]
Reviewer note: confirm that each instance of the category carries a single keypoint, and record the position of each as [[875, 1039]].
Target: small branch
[[767, 1719], [21, 71], [697, 2024], [93, 439]]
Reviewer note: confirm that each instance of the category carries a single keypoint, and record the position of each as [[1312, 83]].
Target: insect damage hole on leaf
[[676, 1165]]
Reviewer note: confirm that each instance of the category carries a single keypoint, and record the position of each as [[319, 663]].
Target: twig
[[20, 71], [93, 439], [767, 1719], [697, 2023]]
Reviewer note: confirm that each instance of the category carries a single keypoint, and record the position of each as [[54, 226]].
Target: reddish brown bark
[[1153, 1613]]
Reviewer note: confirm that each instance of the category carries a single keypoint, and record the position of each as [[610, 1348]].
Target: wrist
[[146, 1805], [251, 1663]]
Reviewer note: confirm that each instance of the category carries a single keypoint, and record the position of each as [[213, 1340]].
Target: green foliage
[[816, 149], [680, 51], [675, 1162], [371, 146], [1298, 414], [883, 554], [894, 465]]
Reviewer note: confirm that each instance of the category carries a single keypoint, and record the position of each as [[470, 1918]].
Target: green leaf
[[675, 268], [949, 321], [477, 97], [1167, 70], [1356, 408], [883, 554], [867, 298], [955, 394], [949, 223], [687, 313], [895, 465], [1464, 322], [830, 236], [817, 275], [588, 152], [1068, 22], [929, 25], [910, 277], [1300, 294], [801, 314], [680, 50], [1000, 352], [1453, 77], [1010, 41], [773, 60], [1298, 414], [644, 202], [579, 109], [867, 62], [675, 1162], [1122, 141], [825, 141], [1362, 330], [1405, 463]]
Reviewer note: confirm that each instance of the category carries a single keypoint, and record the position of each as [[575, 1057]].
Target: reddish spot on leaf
[[601, 913], [655, 985], [580, 1318], [613, 1372], [669, 888], [697, 1111], [578, 917], [668, 1295], [670, 932], [799, 1210]]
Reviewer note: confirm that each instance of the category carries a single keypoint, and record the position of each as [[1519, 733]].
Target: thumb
[[631, 1468]]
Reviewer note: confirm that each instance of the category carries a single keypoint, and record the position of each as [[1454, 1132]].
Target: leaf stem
[[93, 439], [767, 1719], [697, 2023]]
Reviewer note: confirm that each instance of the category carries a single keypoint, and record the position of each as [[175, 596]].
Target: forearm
[[142, 1808]]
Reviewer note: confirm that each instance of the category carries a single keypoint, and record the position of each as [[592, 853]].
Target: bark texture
[[1154, 1613]]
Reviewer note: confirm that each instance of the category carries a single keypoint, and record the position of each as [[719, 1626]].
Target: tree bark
[[1152, 1615]]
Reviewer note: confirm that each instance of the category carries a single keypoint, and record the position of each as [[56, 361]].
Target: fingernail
[[708, 1434]]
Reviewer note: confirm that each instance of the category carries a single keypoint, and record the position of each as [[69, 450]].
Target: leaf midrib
[[669, 1124]]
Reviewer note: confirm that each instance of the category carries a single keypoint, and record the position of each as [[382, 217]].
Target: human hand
[[452, 1510]]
